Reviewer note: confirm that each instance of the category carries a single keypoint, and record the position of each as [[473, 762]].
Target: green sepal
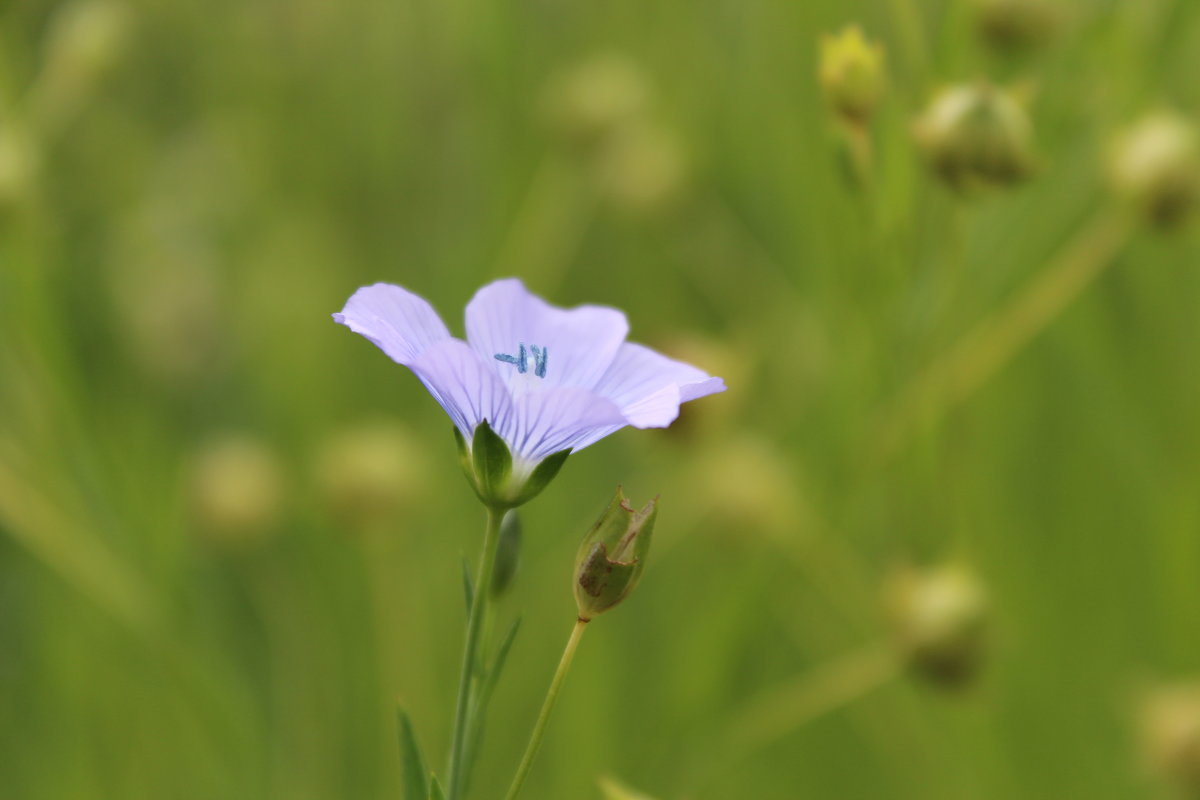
[[541, 476], [508, 553], [612, 557], [492, 461], [464, 456], [435, 789], [412, 762]]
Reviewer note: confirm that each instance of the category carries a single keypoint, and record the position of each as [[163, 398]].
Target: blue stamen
[[521, 361], [539, 360]]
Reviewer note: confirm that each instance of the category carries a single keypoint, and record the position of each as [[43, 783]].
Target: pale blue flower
[[546, 379]]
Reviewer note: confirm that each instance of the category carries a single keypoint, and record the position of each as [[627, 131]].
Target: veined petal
[[469, 390], [535, 346], [558, 418], [648, 387], [399, 322]]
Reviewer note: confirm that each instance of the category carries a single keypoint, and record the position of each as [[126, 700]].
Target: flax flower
[[547, 380]]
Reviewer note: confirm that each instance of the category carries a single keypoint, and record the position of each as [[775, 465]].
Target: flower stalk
[[479, 602], [539, 727]]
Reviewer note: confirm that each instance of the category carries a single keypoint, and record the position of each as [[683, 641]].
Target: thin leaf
[[412, 762], [435, 789], [493, 674], [468, 585]]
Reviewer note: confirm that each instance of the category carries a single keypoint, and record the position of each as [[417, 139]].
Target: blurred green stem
[[907, 19], [539, 728], [548, 227], [480, 597], [986, 349]]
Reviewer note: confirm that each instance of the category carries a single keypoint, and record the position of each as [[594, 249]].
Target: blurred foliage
[[230, 532]]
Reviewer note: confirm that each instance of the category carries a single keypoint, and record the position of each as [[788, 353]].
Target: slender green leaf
[[468, 585], [435, 789], [493, 673], [412, 762]]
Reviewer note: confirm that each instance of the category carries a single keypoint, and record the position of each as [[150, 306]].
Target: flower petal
[[648, 387], [468, 389], [558, 418], [576, 345], [399, 322]]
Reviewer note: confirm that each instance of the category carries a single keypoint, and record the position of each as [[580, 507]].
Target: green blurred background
[[231, 531]]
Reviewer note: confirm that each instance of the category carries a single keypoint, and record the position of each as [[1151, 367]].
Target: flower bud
[[975, 135], [508, 553], [939, 620], [367, 472], [612, 556], [1170, 733], [1011, 25], [589, 103], [851, 72], [237, 491], [1155, 165]]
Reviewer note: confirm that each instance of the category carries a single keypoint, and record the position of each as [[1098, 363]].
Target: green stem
[[911, 29], [539, 728], [483, 580]]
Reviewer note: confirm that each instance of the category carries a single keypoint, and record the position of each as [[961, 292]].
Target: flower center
[[521, 359]]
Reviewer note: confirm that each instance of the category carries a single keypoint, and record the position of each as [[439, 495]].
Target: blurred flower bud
[[612, 789], [613, 555], [18, 163], [1010, 25], [1155, 165], [851, 72], [85, 39], [169, 304], [508, 553], [367, 472], [976, 135], [1170, 733], [747, 483], [939, 618], [591, 101], [237, 491], [642, 167]]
